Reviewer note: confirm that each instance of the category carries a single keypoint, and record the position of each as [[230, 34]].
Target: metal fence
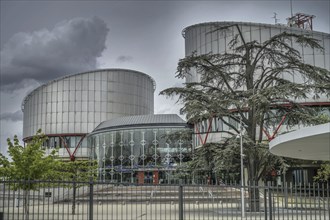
[[97, 200]]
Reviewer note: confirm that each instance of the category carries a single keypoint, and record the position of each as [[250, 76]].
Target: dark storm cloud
[[123, 59], [12, 116], [72, 46]]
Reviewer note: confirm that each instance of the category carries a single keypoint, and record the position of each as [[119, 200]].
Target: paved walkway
[[159, 211]]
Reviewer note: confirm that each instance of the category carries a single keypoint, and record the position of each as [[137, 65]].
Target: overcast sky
[[44, 40]]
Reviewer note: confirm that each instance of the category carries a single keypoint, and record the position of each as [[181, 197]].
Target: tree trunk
[[26, 204], [254, 197], [74, 197]]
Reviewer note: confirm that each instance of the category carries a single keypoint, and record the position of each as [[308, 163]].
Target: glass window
[[104, 85], [97, 117], [90, 106], [97, 106], [256, 35], [66, 85], [104, 76], [84, 116], [84, 127], [54, 87], [91, 85], [103, 116], [90, 127], [48, 88], [65, 96], [72, 83], [53, 117], [309, 59], [90, 117], [71, 127], [85, 76], [84, 106], [265, 34], [65, 106], [71, 106], [91, 96], [327, 61], [47, 130], [49, 97], [59, 117], [54, 106], [65, 116], [60, 96], [78, 85], [77, 128], [103, 106], [60, 85], [53, 128], [78, 106], [97, 76], [78, 96], [246, 31], [84, 96], [78, 116], [91, 76], [71, 116], [49, 107], [103, 96], [84, 85], [72, 95], [97, 96]]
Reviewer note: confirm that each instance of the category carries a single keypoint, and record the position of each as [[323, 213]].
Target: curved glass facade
[[139, 154], [76, 104]]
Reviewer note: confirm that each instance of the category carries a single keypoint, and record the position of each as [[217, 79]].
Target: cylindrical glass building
[[140, 149], [68, 108]]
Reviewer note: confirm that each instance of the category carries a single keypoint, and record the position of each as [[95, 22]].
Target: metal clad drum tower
[[202, 39], [68, 108], [212, 37]]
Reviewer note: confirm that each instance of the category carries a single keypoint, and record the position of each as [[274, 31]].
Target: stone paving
[[158, 211]]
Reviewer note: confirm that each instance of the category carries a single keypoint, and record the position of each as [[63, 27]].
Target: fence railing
[[57, 200]]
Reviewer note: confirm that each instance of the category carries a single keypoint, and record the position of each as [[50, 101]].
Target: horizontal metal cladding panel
[[80, 102]]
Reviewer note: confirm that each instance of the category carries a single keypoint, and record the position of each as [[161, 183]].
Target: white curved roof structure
[[311, 143], [141, 120]]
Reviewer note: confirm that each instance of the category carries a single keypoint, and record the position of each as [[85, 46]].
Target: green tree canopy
[[323, 174], [250, 83], [29, 162]]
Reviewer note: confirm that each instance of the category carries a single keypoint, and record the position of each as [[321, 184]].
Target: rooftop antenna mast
[[291, 8], [275, 18]]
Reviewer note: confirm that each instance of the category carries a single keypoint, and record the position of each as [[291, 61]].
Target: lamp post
[[242, 168]]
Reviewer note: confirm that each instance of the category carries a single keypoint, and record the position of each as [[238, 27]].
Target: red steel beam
[[208, 129], [66, 147], [199, 134], [77, 146], [278, 127]]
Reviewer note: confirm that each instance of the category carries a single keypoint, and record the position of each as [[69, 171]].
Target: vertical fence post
[[91, 199], [285, 184], [265, 202], [180, 202], [270, 202]]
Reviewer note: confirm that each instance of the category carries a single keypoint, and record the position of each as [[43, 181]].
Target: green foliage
[[29, 162], [246, 84], [78, 170], [323, 174], [183, 135]]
